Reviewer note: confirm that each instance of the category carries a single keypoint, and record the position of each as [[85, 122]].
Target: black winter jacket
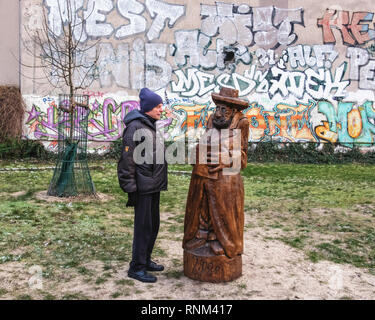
[[141, 177]]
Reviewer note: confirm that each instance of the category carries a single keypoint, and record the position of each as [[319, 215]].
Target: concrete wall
[[9, 44], [307, 68]]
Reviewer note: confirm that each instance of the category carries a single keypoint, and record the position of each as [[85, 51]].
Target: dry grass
[[12, 109], [309, 234]]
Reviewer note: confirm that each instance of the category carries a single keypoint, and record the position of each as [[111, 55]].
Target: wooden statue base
[[203, 265]]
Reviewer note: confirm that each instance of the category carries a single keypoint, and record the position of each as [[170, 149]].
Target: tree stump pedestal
[[203, 265]]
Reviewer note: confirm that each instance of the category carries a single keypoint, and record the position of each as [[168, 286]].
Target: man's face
[[223, 116], [156, 112]]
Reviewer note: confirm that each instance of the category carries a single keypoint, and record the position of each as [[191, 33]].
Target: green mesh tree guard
[[72, 176]]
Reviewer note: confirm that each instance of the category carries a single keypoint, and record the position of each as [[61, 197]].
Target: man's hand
[[132, 199]]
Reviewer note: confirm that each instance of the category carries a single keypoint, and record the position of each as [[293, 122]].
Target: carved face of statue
[[223, 116]]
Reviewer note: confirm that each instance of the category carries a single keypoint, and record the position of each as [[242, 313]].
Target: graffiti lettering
[[354, 32], [285, 123], [158, 71], [97, 10], [106, 119], [362, 68], [131, 10], [115, 66], [349, 125], [318, 84], [94, 14], [160, 12], [59, 12], [279, 31], [198, 83], [324, 56]]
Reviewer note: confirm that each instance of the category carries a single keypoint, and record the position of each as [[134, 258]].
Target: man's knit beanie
[[149, 100]]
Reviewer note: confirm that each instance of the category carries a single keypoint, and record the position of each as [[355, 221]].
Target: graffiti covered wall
[[307, 68]]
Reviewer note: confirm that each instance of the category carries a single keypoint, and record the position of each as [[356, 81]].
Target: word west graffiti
[[354, 31], [350, 125], [125, 65], [95, 14], [284, 123]]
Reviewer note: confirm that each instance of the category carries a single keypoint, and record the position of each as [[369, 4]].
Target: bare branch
[[64, 58]]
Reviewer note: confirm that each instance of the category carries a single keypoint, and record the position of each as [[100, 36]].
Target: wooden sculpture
[[214, 219]]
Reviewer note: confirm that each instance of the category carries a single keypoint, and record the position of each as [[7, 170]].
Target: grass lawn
[[326, 211]]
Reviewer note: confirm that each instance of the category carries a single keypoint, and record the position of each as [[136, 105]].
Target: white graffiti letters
[[198, 83], [193, 44], [320, 84], [362, 68], [160, 12], [358, 58], [94, 14], [274, 26], [158, 70], [60, 13], [114, 63], [131, 10], [324, 56]]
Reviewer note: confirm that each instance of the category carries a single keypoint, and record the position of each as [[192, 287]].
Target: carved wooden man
[[214, 219]]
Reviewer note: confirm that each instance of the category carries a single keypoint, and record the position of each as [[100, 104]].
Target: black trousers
[[146, 228]]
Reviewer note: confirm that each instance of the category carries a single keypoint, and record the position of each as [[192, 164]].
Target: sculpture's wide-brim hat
[[229, 97]]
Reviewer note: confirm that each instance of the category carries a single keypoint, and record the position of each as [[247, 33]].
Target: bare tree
[[68, 62]]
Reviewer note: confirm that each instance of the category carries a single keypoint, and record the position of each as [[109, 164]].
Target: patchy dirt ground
[[271, 270], [42, 195]]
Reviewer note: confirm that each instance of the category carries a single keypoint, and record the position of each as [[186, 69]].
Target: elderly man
[[143, 181], [214, 218]]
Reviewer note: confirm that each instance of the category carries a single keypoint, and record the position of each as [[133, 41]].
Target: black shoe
[[142, 275], [154, 267]]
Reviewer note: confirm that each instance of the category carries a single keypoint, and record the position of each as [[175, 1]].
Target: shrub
[[12, 108], [13, 148]]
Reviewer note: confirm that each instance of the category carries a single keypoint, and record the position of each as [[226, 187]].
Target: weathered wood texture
[[201, 264], [214, 217]]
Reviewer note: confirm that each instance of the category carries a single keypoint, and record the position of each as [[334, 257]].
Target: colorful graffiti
[[284, 123], [349, 125], [105, 121], [317, 91]]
